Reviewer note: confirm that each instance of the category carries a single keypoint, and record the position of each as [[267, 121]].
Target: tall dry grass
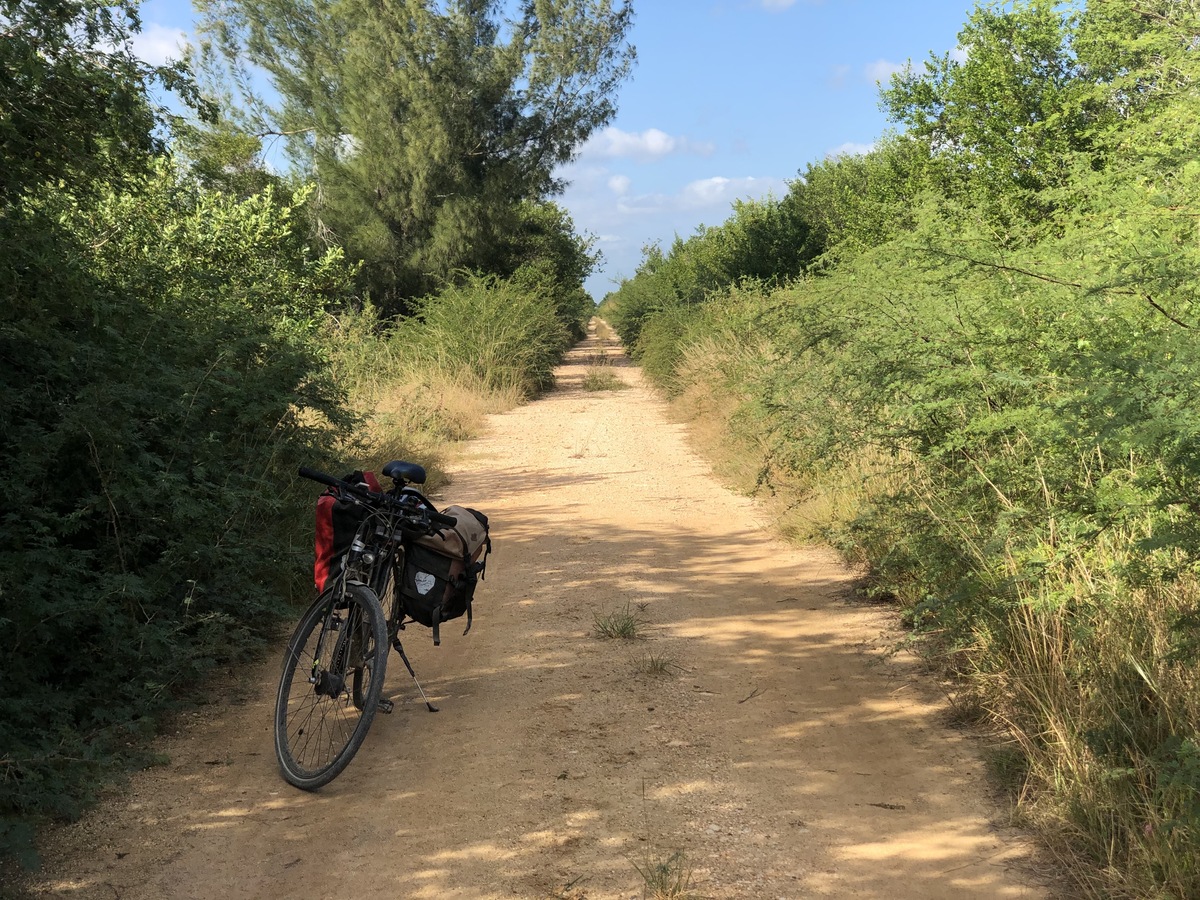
[[1099, 696], [716, 380], [429, 382], [602, 330]]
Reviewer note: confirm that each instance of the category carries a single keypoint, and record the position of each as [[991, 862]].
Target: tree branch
[[1150, 300], [1052, 280], [1003, 268], [263, 134]]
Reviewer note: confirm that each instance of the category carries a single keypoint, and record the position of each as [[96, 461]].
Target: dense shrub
[[988, 378], [504, 334], [545, 255], [766, 241], [161, 383]]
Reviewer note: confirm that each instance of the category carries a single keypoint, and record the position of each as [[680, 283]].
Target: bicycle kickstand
[[408, 665]]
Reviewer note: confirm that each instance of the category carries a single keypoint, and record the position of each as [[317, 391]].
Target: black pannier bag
[[337, 523], [441, 570]]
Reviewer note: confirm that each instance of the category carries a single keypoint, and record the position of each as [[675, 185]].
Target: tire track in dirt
[[782, 754]]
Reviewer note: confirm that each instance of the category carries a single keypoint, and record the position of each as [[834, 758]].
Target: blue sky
[[730, 99]]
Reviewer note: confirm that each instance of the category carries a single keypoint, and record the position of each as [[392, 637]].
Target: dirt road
[[757, 734]]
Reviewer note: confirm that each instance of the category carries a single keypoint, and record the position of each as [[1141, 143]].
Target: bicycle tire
[[320, 726], [384, 581]]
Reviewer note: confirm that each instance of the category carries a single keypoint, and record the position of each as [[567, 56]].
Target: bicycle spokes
[[322, 716]]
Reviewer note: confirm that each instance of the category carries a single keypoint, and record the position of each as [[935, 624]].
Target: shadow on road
[[776, 745]]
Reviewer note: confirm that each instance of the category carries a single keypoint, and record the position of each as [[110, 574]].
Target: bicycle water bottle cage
[[404, 472]]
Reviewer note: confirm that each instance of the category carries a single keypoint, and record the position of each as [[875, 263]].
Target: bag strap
[[437, 623], [481, 566]]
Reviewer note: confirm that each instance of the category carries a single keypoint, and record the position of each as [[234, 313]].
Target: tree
[[426, 124], [1003, 123], [854, 202], [545, 254], [73, 96], [224, 158]]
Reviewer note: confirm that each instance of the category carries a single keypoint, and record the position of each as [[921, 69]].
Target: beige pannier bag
[[442, 570]]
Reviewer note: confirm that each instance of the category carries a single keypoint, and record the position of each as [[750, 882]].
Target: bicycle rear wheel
[[333, 673]]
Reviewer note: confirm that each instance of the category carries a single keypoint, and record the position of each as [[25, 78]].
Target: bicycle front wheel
[[332, 680]]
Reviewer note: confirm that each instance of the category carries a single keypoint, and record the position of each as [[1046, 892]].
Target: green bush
[[661, 341], [162, 381], [768, 242], [994, 362], [504, 334]]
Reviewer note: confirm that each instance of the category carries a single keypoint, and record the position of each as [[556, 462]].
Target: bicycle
[[336, 660]]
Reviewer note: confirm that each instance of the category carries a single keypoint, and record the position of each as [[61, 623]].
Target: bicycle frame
[[380, 546]]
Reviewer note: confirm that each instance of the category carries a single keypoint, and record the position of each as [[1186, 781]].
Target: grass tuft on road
[[619, 624]]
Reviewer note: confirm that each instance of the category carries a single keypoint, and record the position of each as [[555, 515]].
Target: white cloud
[[721, 192], [608, 205], [716, 194], [850, 149], [645, 146], [619, 184], [706, 192], [777, 5], [156, 44], [960, 54], [882, 70]]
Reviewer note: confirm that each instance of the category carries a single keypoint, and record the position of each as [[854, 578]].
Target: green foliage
[[503, 334], [767, 241], [857, 202], [156, 373], [1001, 126], [546, 255], [993, 361], [161, 383], [222, 158], [661, 339], [426, 124], [73, 101]]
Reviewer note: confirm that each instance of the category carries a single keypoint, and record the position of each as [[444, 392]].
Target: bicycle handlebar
[[361, 490], [306, 472], [438, 519]]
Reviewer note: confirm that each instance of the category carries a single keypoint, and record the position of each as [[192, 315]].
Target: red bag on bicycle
[[337, 523]]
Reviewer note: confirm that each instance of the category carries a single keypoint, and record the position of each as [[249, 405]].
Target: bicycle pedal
[[386, 706]]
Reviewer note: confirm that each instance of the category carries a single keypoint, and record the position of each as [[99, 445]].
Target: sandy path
[[782, 753]]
